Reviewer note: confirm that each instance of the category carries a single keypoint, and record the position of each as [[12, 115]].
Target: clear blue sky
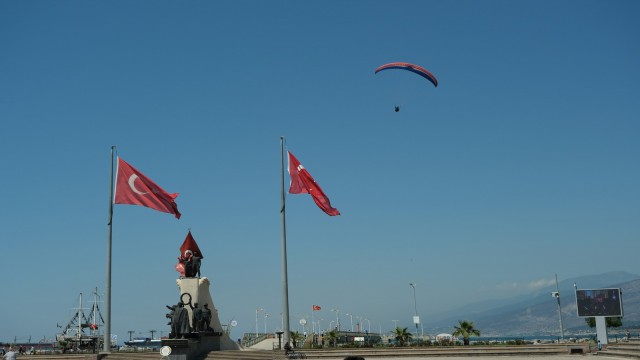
[[522, 163]]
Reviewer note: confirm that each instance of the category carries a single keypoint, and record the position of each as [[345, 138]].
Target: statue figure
[[184, 263], [206, 318], [189, 265], [190, 258], [180, 322], [196, 266], [197, 318], [169, 316]]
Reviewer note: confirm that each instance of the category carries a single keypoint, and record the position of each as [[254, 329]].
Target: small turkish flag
[[190, 244], [316, 308]]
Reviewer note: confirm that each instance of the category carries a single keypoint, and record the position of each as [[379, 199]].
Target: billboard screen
[[599, 302]]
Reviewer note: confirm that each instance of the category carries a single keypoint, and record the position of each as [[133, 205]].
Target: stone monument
[[193, 289]]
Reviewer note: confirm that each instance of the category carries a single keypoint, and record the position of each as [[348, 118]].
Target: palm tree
[[465, 329], [403, 336]]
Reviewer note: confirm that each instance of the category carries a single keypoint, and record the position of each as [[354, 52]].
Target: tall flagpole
[[285, 285], [107, 323]]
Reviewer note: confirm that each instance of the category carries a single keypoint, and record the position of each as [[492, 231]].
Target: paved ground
[[507, 357], [269, 343]]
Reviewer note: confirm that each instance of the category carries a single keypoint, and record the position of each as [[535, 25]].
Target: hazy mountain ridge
[[537, 312]]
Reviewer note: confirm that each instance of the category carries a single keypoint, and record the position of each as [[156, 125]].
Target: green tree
[[465, 329], [610, 321], [296, 337], [333, 337], [403, 336], [63, 345]]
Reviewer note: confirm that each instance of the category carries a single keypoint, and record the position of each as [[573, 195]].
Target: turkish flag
[[133, 188], [303, 183], [190, 244], [316, 307]]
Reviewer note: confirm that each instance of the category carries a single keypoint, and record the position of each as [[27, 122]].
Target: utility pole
[[556, 294]]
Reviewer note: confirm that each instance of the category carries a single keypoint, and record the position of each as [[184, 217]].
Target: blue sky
[[522, 163]]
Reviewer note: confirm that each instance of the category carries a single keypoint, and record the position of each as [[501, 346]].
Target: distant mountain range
[[537, 313]]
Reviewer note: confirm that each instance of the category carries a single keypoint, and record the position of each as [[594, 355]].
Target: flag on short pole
[[303, 183], [190, 244], [133, 188], [316, 308]]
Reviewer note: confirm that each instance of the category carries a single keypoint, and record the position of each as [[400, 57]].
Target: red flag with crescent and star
[[303, 183], [316, 308], [190, 244], [133, 188]]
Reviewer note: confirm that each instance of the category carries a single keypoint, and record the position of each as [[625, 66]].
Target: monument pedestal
[[197, 345], [193, 347]]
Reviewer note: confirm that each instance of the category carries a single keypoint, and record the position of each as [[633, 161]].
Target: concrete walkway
[[501, 357], [266, 344]]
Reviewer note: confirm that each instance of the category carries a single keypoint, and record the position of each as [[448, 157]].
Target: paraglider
[[409, 67]]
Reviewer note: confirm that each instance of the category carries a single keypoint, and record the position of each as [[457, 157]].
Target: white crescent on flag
[[132, 185]]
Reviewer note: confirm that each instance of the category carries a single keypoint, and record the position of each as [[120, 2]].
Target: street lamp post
[[416, 319], [257, 311], [556, 294], [337, 318], [351, 318], [266, 315], [359, 324], [395, 324], [303, 323]]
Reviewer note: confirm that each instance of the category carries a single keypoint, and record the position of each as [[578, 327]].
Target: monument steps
[[536, 350], [57, 357], [624, 350], [437, 351], [628, 350], [131, 356], [245, 355]]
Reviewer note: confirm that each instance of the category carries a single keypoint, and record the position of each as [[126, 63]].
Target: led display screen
[[599, 302]]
